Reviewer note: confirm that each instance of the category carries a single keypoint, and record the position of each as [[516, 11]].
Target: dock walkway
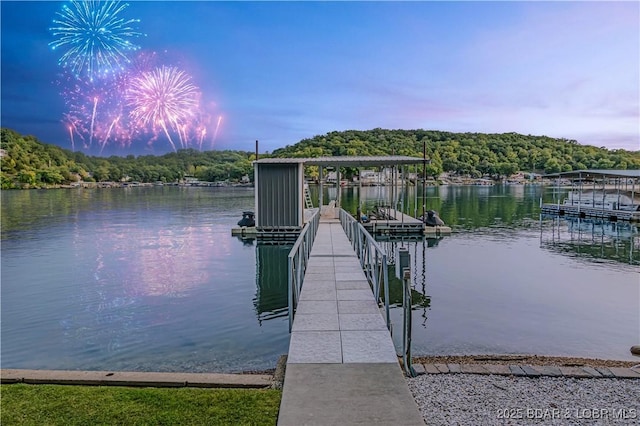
[[342, 367]]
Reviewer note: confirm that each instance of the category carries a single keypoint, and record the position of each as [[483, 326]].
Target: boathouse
[[281, 204]]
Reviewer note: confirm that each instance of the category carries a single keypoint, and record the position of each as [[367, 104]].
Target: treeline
[[27, 162], [470, 154]]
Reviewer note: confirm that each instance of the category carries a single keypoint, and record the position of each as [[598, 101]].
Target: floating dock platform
[[269, 234], [398, 223], [402, 225], [244, 231], [394, 222], [437, 231], [590, 212]]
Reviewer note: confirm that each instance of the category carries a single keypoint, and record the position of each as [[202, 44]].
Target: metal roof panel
[[596, 173], [347, 161]]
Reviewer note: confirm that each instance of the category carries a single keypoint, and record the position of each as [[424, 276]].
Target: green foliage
[[434, 168], [473, 154], [106, 405], [28, 163]]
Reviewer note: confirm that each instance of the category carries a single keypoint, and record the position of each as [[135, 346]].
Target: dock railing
[[372, 258], [297, 262]]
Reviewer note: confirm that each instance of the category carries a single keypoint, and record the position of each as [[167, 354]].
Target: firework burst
[[95, 110], [97, 40], [165, 99], [114, 96]]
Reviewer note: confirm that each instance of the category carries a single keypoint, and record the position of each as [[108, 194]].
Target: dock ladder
[[307, 197]]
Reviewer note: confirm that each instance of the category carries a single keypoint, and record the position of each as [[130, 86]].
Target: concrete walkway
[[342, 368], [133, 378]]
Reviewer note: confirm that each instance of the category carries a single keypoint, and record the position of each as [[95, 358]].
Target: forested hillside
[[473, 154], [27, 162]]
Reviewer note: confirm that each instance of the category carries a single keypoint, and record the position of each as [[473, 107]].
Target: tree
[[507, 168], [552, 165], [27, 176], [101, 174], [50, 176], [434, 167]]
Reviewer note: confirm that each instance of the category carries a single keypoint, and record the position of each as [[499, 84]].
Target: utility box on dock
[[279, 194]]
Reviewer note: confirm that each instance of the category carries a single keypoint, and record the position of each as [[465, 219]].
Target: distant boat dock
[[590, 212], [612, 195]]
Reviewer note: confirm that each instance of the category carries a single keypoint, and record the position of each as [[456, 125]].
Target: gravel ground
[[523, 359], [478, 400]]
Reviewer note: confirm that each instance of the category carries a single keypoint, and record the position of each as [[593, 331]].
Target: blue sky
[[283, 71]]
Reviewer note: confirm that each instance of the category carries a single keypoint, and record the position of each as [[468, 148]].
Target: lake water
[[507, 282], [137, 279], [150, 279]]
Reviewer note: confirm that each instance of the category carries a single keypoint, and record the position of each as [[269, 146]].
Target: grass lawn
[[22, 404]]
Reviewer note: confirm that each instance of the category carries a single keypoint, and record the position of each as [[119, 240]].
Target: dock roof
[[347, 161], [593, 173]]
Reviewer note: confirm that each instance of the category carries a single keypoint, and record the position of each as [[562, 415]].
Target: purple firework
[[95, 110], [164, 98]]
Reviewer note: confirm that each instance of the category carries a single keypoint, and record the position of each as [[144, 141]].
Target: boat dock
[[590, 212], [609, 195], [342, 367], [395, 222]]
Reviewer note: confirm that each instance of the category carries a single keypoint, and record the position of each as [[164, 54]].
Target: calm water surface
[[508, 282], [151, 279], [137, 279]]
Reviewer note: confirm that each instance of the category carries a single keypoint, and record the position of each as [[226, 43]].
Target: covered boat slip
[[282, 202], [602, 194]]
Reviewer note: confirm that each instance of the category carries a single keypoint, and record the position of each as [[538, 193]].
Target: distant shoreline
[[108, 185]]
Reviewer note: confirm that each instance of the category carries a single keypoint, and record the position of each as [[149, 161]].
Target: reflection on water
[[271, 300], [272, 297], [420, 298], [496, 295], [467, 208], [142, 279], [595, 240], [160, 262], [502, 283]]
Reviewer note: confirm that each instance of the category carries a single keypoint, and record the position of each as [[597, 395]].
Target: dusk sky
[[280, 72]]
